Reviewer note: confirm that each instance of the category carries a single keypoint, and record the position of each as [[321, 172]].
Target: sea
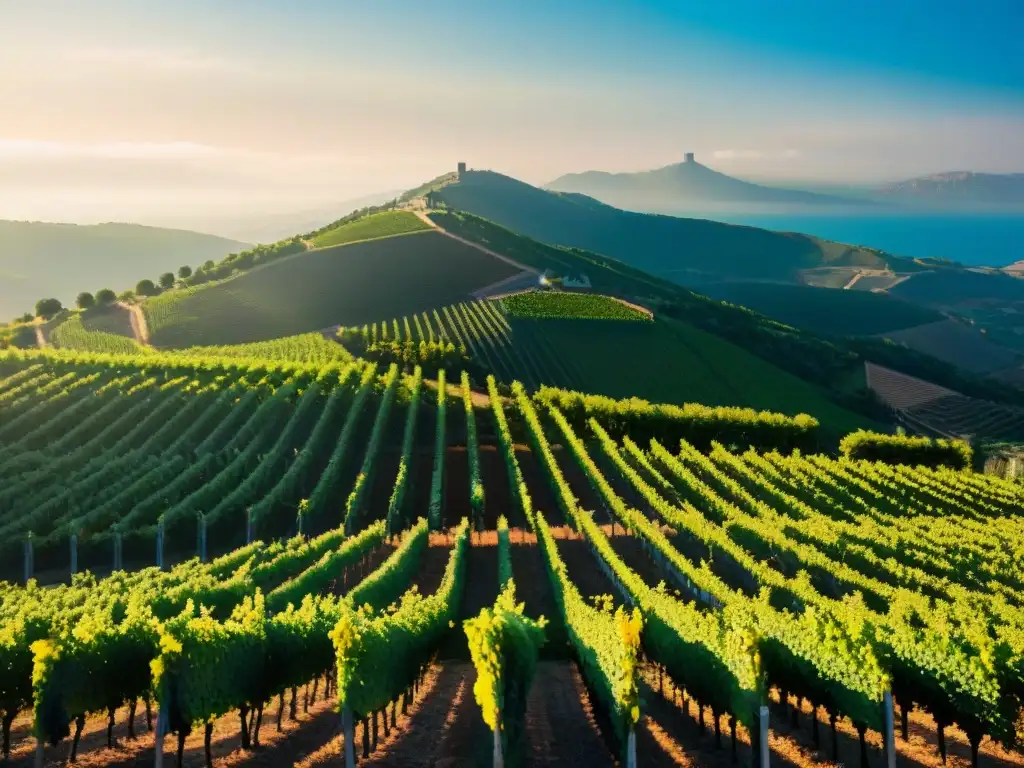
[[974, 239]]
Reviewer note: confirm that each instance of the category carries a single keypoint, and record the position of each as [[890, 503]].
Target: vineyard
[[344, 284], [454, 335], [91, 334], [238, 561], [561, 305], [936, 410], [377, 225]]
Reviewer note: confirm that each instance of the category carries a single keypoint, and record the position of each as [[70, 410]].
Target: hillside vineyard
[[226, 550]]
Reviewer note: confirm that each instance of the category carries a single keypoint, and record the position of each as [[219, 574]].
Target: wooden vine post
[[349, 730], [890, 731]]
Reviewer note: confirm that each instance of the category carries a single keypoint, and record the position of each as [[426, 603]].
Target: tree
[[167, 280], [85, 300], [184, 273], [23, 338], [105, 297], [47, 308], [28, 317], [128, 295], [208, 265], [145, 288]]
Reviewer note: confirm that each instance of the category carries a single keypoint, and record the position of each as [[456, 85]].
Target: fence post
[[202, 537], [890, 731], [349, 731], [300, 517], [39, 753], [631, 749], [763, 741], [160, 544], [29, 559], [74, 554], [248, 526], [161, 731], [118, 551]]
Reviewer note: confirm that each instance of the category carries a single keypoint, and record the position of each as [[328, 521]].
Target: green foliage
[[392, 577], [396, 504], [377, 225], [698, 424], [904, 449], [85, 300], [184, 272], [379, 655], [356, 508], [245, 260], [315, 579], [308, 348], [436, 509], [47, 308], [503, 645], [476, 483], [73, 334], [345, 285], [565, 305]]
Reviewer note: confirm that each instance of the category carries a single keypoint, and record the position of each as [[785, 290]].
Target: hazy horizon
[[126, 111]]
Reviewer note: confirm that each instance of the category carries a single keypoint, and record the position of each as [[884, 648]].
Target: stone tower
[[462, 168], [688, 157]]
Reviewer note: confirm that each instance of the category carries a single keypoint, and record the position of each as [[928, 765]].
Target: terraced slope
[[341, 285]]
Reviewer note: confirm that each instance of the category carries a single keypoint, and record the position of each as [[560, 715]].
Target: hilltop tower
[[688, 157], [462, 168]]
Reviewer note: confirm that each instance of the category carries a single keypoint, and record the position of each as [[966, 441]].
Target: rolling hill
[[825, 311], [688, 182], [663, 245], [60, 260], [386, 264]]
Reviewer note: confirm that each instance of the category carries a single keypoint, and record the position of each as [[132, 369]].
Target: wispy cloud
[[756, 154], [30, 149], [161, 59]]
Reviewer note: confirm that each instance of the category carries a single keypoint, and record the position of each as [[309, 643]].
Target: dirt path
[[502, 287], [138, 320], [422, 215], [445, 731], [853, 281], [560, 727]]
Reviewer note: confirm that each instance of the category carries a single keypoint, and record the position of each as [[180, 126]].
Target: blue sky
[[138, 107]]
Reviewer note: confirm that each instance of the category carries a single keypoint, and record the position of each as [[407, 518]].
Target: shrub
[[903, 449], [47, 308], [699, 425], [105, 297]]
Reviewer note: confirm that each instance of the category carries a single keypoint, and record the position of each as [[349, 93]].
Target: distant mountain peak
[[688, 182], [959, 188]]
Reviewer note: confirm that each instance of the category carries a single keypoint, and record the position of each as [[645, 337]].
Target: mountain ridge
[[959, 187], [54, 259], [685, 182], [657, 243]]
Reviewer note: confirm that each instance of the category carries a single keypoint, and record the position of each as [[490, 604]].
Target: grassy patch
[[571, 306], [307, 348], [82, 331], [673, 362], [385, 224]]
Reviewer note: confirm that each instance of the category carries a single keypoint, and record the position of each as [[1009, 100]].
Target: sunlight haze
[[132, 111]]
